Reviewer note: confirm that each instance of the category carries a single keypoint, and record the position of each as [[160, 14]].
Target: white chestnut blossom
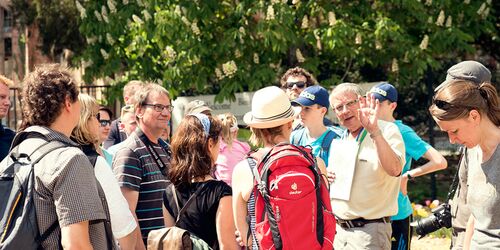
[[110, 39], [440, 19], [270, 13], [305, 22], [448, 21], [104, 54], [229, 68], [81, 9], [300, 57], [395, 65], [332, 20], [424, 43], [256, 58], [137, 19], [98, 15]]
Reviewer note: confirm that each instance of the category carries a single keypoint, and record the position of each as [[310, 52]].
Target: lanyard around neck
[[359, 138]]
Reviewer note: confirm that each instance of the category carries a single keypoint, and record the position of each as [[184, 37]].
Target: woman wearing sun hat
[[270, 121]]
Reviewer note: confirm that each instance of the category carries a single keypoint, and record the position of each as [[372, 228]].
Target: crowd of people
[[106, 184]]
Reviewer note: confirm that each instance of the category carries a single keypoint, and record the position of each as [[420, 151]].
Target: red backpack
[[292, 202]]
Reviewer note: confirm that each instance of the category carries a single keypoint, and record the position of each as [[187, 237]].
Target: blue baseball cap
[[313, 95], [384, 91]]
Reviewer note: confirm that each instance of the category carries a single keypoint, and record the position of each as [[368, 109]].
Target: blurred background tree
[[227, 46]]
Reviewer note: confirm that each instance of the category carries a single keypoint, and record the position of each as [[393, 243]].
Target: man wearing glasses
[[294, 81], [374, 152], [142, 164]]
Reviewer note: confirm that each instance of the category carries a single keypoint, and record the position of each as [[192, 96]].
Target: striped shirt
[[136, 169], [66, 189]]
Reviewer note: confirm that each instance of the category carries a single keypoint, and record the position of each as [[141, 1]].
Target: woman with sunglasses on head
[[208, 212], [470, 114], [86, 133]]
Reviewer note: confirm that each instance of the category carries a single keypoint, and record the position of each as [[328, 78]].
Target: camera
[[440, 217]]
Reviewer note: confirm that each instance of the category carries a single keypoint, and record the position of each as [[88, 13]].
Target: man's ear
[[68, 103], [394, 105], [139, 111]]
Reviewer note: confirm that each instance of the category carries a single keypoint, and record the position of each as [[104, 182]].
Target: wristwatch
[[409, 176]]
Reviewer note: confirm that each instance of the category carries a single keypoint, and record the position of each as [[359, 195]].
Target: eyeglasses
[[347, 105], [299, 84], [104, 123], [160, 107], [98, 116]]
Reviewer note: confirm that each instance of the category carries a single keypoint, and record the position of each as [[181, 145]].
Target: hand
[[331, 176], [368, 113], [404, 184], [239, 240]]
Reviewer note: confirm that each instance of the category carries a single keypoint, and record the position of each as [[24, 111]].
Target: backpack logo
[[294, 188]]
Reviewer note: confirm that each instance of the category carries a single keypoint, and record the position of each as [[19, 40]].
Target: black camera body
[[440, 217]]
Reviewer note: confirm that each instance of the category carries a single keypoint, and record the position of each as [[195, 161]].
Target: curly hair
[[6, 81], [44, 94], [190, 154], [298, 71], [82, 134]]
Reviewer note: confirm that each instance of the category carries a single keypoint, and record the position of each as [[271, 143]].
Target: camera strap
[[454, 184]]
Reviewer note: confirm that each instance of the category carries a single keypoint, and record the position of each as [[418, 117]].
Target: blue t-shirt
[[301, 137], [415, 148]]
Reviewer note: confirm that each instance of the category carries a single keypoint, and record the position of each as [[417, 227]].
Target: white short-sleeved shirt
[[122, 220]]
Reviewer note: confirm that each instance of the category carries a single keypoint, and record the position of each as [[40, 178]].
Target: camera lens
[[427, 225]]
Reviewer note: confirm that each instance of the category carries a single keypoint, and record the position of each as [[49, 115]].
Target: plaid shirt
[[66, 190]]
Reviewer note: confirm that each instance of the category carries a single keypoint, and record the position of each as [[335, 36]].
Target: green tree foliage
[[226, 46], [57, 22]]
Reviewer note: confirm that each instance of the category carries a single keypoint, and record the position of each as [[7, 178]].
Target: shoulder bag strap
[[326, 143], [190, 200], [455, 183]]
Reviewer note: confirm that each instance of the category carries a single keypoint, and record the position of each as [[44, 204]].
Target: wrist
[[408, 175], [375, 133]]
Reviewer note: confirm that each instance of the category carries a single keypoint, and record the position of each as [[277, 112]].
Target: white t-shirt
[[122, 220]]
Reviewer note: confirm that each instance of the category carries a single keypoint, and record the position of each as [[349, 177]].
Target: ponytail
[[490, 95]]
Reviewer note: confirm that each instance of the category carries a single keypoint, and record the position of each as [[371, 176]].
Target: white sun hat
[[270, 108]]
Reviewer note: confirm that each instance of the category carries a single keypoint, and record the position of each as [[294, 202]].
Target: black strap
[[182, 210], [149, 146], [454, 184]]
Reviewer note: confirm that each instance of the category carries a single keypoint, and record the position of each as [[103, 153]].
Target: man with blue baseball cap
[[415, 148], [314, 103]]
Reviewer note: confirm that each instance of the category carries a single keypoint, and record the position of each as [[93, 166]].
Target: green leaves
[[223, 47]]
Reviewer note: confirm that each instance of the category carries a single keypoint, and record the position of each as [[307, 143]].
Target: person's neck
[[61, 125], [355, 132], [277, 140], [490, 138], [202, 178], [151, 135], [387, 118], [316, 130]]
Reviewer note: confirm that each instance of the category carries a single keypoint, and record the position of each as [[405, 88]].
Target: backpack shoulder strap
[[326, 143], [297, 138]]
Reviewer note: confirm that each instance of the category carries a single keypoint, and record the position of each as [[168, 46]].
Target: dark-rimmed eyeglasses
[[104, 123], [347, 105], [299, 84], [160, 107]]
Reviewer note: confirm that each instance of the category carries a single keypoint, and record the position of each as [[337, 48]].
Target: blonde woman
[[231, 150], [86, 133]]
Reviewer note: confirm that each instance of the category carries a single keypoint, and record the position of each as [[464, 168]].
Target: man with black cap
[[475, 72], [314, 104], [415, 148]]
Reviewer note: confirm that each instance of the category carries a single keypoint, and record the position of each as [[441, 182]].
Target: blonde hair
[[261, 136], [229, 122], [126, 109], [81, 133], [6, 81]]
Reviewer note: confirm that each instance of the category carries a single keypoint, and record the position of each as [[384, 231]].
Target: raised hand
[[368, 112]]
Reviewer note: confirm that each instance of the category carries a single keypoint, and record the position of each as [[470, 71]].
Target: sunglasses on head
[[299, 84]]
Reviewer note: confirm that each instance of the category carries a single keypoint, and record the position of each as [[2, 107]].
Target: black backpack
[[18, 223]]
